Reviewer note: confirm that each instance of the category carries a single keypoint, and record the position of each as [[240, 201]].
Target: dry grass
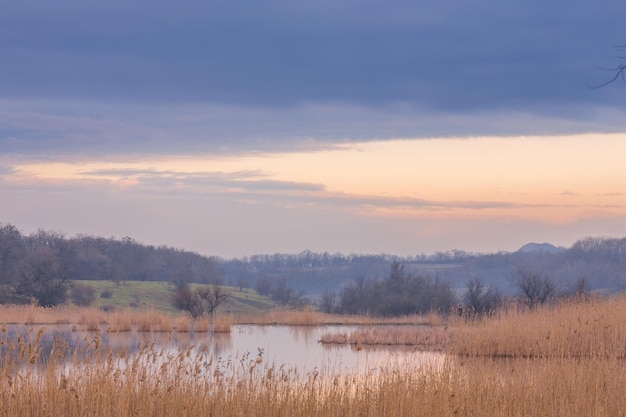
[[122, 320], [575, 329], [191, 383], [422, 337], [565, 360]]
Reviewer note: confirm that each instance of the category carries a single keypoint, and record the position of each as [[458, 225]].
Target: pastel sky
[[233, 128]]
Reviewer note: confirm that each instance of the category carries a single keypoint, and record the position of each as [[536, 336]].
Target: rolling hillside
[[158, 295]]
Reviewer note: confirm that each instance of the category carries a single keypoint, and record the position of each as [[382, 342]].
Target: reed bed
[[420, 337], [102, 383], [592, 328], [122, 320]]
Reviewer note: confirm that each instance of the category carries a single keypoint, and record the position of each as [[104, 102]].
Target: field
[[158, 296], [562, 360]]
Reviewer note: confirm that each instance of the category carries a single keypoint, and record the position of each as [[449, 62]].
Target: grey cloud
[[450, 55], [51, 127], [217, 175], [255, 188], [6, 170], [417, 203], [249, 181]]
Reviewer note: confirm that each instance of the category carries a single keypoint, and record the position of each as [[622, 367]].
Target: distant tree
[[355, 297], [45, 270], [400, 293], [202, 300], [281, 292], [263, 285], [480, 300], [82, 294], [242, 282], [581, 286], [178, 267], [578, 290], [188, 300], [212, 296], [328, 301], [12, 251], [534, 286]]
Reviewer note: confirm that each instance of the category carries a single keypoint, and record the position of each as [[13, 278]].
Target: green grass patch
[[158, 295]]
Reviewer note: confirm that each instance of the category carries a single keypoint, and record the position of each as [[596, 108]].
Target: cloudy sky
[[232, 128]]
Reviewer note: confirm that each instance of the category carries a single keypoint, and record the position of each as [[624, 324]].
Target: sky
[[234, 128]]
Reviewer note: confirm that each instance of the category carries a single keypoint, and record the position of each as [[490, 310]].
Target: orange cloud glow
[[553, 179]]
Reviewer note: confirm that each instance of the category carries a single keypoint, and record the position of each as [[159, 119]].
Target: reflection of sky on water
[[294, 346]]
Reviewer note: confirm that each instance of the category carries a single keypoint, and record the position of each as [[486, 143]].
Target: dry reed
[[591, 328], [192, 383], [563, 360], [422, 337], [121, 320]]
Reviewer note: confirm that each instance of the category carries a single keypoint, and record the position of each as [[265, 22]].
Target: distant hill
[[113, 264], [541, 247]]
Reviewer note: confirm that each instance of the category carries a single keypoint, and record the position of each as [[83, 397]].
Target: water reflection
[[293, 346]]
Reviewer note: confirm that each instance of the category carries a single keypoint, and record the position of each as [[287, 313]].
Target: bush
[[82, 295]]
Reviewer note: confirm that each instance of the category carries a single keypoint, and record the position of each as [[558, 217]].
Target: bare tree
[[480, 300], [188, 300], [328, 301], [618, 71], [202, 300], [46, 269], [534, 286], [82, 294], [212, 296]]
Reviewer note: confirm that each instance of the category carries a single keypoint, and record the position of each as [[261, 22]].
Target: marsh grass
[[151, 381], [117, 320], [421, 337], [562, 360], [589, 328]]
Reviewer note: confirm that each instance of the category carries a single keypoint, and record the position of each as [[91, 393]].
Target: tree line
[[399, 293], [41, 267]]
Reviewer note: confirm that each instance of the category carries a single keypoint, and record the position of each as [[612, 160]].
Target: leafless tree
[[212, 296], [82, 294], [618, 71], [480, 300], [201, 300], [534, 286]]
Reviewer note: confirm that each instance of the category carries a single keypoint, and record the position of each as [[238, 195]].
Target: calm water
[[294, 346]]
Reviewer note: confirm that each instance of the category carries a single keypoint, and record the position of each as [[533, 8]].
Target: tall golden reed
[[190, 383], [564, 360], [591, 328], [120, 320]]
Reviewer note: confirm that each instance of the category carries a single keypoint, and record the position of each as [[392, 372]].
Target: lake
[[278, 345]]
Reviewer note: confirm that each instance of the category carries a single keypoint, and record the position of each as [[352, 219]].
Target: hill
[[158, 295], [541, 247]]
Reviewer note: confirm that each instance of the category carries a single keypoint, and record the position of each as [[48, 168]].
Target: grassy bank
[[158, 296]]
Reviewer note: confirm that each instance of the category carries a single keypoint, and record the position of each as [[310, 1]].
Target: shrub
[[82, 294]]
